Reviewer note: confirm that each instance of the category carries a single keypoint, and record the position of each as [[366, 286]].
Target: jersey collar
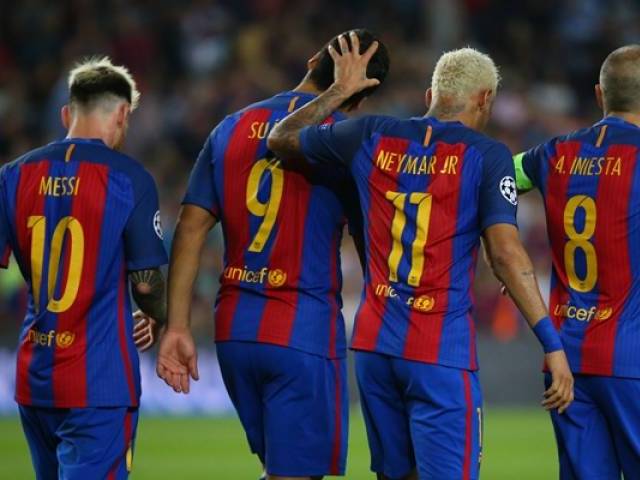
[[613, 120]]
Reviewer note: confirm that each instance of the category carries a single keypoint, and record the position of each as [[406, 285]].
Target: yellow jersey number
[[38, 226], [580, 240], [423, 217], [267, 210]]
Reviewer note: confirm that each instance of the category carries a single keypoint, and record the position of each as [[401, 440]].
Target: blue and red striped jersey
[[77, 216], [281, 281], [590, 182], [427, 191]]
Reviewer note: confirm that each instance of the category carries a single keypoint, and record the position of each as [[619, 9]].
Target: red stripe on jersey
[[69, 363], [555, 202], [279, 313], [425, 330], [468, 431], [238, 160], [615, 278], [333, 318], [4, 258], [381, 213], [127, 432], [28, 203], [124, 339], [337, 433]]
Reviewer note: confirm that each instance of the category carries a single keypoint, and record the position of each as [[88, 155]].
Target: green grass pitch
[[518, 443]]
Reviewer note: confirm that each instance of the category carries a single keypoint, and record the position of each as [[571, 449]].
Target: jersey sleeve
[[143, 237], [527, 166], [334, 144], [498, 192], [5, 249], [201, 190]]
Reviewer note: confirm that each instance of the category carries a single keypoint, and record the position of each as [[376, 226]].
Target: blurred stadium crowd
[[197, 60]]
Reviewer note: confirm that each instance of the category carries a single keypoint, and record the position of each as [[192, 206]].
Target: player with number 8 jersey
[[590, 183]]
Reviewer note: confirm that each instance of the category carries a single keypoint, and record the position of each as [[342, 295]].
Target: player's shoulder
[[34, 155], [586, 134], [478, 141]]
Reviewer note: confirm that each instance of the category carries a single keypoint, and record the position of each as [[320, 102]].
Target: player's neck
[[633, 118], [89, 128], [307, 86], [464, 117]]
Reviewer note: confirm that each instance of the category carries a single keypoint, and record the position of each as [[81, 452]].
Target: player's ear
[[65, 117], [122, 113], [428, 97], [484, 99], [598, 90], [313, 61]]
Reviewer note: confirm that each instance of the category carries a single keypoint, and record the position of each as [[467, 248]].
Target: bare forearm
[[183, 271], [149, 292], [284, 139], [515, 271]]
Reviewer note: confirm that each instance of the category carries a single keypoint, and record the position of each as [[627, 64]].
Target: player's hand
[[560, 394], [350, 67], [145, 331], [177, 359]]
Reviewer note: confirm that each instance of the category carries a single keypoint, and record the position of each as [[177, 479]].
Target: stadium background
[[196, 61]]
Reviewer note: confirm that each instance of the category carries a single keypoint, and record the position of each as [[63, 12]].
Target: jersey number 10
[[38, 226]]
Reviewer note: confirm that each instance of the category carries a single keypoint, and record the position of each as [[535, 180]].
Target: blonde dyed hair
[[461, 73], [95, 70]]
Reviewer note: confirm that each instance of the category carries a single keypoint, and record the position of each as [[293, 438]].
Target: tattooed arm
[[512, 266], [350, 77], [150, 294]]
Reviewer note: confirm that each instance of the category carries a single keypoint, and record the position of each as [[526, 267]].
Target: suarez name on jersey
[[281, 280], [77, 216], [591, 188], [427, 190]]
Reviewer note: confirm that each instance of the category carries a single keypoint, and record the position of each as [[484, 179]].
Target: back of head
[[460, 74], [96, 83], [322, 73], [620, 80]]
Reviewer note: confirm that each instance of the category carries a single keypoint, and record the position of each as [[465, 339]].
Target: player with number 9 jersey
[[280, 334]]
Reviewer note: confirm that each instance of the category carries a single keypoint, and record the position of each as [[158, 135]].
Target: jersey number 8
[[580, 240]]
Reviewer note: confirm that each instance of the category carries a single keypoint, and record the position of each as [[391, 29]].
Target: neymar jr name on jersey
[[589, 166], [417, 165]]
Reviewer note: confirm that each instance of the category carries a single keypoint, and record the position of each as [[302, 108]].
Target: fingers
[[559, 395], [343, 45], [355, 42], [193, 368], [370, 51]]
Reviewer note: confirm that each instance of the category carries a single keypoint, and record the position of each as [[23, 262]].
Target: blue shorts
[[293, 406], [80, 443], [599, 434], [420, 416]]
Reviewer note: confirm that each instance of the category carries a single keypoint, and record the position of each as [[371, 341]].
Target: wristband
[[548, 335]]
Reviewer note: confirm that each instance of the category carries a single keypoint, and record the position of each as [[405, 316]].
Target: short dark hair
[[95, 78], [620, 80], [322, 74]]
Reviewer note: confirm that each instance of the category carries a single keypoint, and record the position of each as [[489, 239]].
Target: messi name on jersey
[[59, 186]]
